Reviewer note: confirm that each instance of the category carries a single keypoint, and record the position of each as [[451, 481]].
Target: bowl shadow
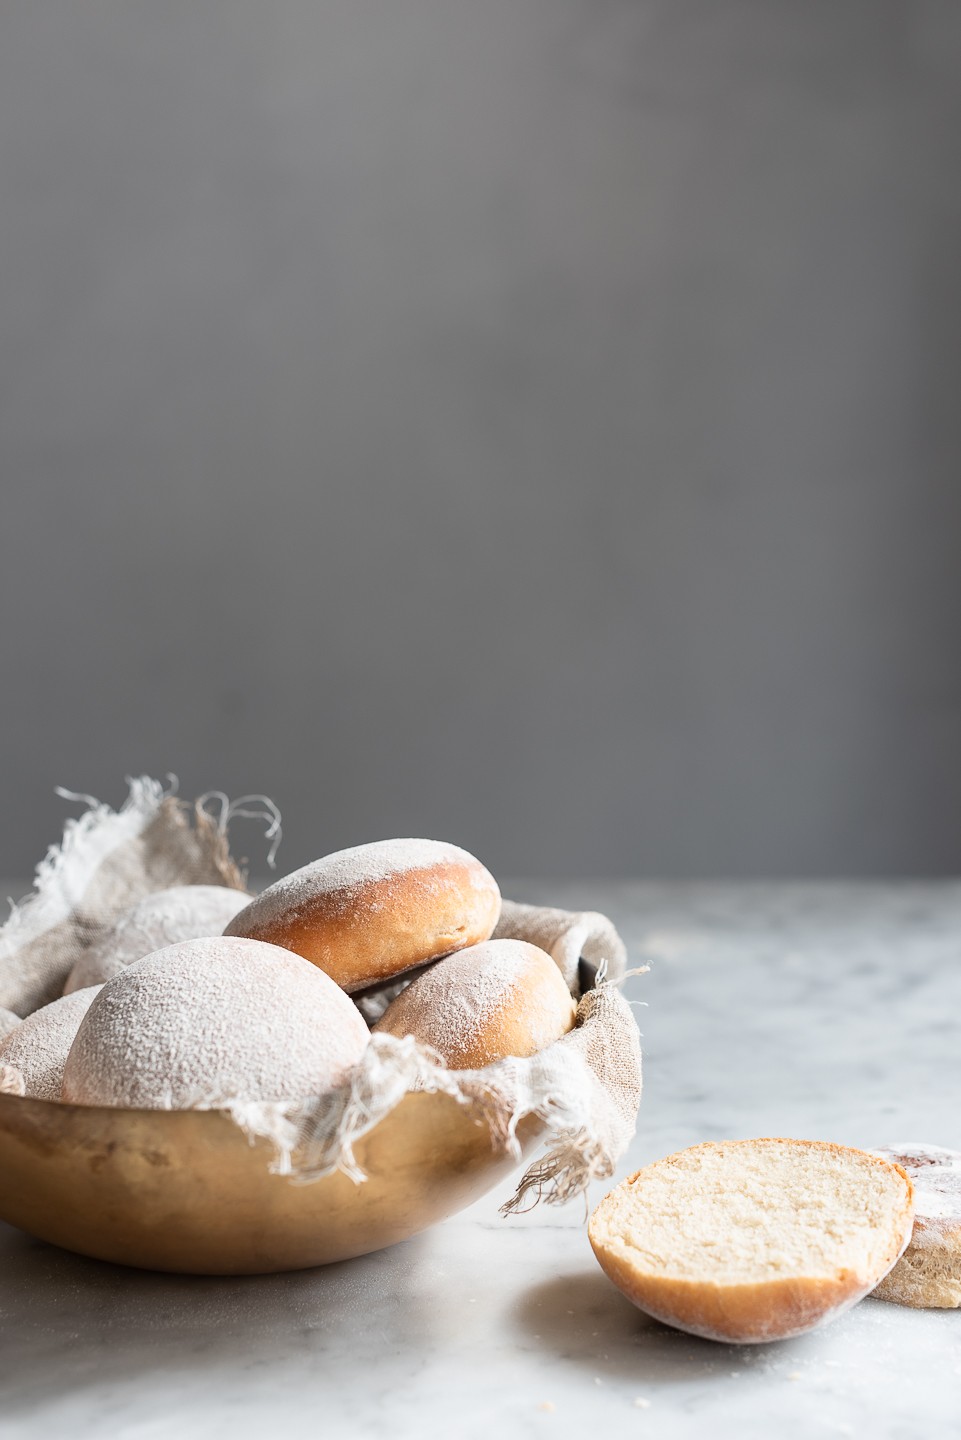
[[96, 1325]]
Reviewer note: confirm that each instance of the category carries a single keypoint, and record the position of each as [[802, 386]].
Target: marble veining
[[825, 1011]]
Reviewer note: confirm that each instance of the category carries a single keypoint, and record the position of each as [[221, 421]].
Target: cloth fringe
[[106, 862], [586, 1104]]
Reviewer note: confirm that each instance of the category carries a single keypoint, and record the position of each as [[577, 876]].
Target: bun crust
[[209, 1021], [367, 914], [928, 1275], [39, 1046], [184, 912], [736, 1314], [753, 1240], [500, 998]]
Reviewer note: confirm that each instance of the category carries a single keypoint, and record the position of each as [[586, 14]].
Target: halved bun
[[753, 1240]]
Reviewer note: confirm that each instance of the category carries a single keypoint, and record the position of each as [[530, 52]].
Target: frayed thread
[[584, 1127], [62, 875], [241, 808], [564, 1173], [313, 1138], [106, 861]]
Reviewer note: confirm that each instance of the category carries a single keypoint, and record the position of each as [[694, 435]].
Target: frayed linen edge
[[315, 1138], [64, 873], [63, 876]]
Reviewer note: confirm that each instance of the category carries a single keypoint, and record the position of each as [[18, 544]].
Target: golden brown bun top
[[374, 911]]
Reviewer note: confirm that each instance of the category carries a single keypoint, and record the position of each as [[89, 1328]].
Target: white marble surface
[[820, 1011]]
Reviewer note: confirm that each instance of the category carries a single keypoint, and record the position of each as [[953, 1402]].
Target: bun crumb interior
[[753, 1240]]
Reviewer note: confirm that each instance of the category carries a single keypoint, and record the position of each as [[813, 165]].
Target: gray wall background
[[532, 423]]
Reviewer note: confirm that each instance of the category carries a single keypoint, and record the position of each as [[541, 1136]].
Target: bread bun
[[185, 912], [928, 1275], [367, 914], [753, 1240], [503, 997], [39, 1046], [211, 1020]]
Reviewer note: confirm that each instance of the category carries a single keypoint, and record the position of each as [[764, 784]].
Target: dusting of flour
[[184, 912], [928, 1274], [358, 867], [39, 1046], [211, 1020], [460, 1003], [935, 1173]]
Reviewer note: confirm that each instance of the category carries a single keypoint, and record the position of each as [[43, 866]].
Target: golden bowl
[[184, 1190]]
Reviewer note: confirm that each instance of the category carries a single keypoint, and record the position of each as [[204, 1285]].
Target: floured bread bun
[[11, 1081], [185, 912], [211, 1020], [39, 1046], [366, 914], [503, 997], [928, 1275], [752, 1240], [8, 1023]]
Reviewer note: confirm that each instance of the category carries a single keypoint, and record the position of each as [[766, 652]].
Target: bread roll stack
[[263, 1011]]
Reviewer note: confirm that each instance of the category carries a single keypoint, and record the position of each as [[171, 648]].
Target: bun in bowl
[[367, 914], [500, 998], [208, 1021]]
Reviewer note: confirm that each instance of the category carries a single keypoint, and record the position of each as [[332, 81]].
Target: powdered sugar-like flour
[[936, 1176], [206, 1021], [39, 1046], [459, 1002], [184, 912], [928, 1274], [360, 866]]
